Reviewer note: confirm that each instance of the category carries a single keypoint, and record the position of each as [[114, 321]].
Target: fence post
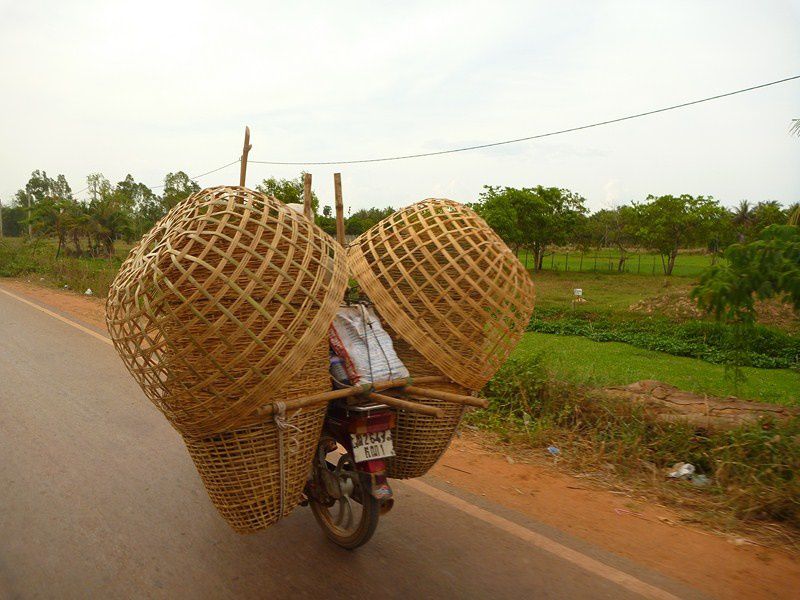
[[566, 263], [595, 264]]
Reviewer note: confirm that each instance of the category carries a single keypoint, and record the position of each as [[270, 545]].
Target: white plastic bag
[[357, 337]]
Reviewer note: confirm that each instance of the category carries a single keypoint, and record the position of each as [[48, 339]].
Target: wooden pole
[[424, 409], [446, 396], [337, 188], [245, 150], [355, 390], [308, 209], [1, 219]]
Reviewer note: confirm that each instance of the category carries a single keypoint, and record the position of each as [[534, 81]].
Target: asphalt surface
[[98, 498]]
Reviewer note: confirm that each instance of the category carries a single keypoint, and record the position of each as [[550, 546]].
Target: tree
[[288, 191], [50, 217], [766, 268], [98, 186], [532, 217], [361, 220], [669, 223], [767, 213], [141, 204], [38, 188], [615, 228], [794, 214], [107, 222], [177, 187], [744, 218]]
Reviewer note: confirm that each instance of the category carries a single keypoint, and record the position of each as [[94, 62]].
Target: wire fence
[[639, 263]]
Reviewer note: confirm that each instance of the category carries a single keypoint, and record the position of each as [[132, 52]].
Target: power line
[[156, 187], [530, 137]]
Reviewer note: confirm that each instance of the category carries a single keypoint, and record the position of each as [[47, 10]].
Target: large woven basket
[[221, 305], [446, 284], [420, 440], [242, 469]]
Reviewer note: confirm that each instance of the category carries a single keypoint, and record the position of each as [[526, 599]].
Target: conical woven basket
[[446, 284], [221, 305], [420, 440], [245, 470]]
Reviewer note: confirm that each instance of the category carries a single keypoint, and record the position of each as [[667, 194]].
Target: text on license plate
[[369, 446]]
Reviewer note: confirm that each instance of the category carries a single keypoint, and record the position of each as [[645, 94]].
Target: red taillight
[[377, 421]]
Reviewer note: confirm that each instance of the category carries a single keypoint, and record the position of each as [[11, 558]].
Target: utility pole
[[245, 149], [30, 226]]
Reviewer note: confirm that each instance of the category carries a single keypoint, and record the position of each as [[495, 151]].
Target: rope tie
[[282, 424], [366, 343]]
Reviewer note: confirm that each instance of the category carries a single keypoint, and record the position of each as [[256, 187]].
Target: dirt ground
[[648, 534]]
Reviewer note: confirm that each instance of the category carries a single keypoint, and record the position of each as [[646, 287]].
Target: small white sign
[[578, 292]]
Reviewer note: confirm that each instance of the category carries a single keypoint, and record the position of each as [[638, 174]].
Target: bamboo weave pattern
[[420, 440], [241, 469], [221, 304], [448, 285]]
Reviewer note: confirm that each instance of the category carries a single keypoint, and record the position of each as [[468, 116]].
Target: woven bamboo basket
[[446, 284], [420, 440], [255, 475], [221, 305]]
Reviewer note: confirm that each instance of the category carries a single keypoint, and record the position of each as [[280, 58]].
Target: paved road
[[98, 498]]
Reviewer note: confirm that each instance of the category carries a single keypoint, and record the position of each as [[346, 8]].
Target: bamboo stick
[[308, 208], [407, 405], [355, 390], [446, 396], [337, 189], [245, 150]]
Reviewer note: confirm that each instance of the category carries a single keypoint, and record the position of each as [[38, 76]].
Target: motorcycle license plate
[[369, 446]]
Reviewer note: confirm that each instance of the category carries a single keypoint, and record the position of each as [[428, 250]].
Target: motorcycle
[[347, 489]]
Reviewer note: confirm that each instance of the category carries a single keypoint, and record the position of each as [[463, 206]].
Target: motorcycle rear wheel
[[350, 521]]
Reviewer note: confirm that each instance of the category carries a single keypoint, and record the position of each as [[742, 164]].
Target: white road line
[[542, 542], [94, 334]]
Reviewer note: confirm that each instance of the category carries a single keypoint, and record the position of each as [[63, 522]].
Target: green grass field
[[603, 292], [582, 361], [605, 261]]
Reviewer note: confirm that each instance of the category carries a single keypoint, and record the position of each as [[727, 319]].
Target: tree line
[[534, 219], [539, 218], [46, 206]]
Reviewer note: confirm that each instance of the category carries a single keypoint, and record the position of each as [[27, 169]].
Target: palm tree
[[108, 222], [743, 216], [794, 214]]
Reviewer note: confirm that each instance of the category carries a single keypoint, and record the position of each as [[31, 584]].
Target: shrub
[[710, 341], [754, 469]]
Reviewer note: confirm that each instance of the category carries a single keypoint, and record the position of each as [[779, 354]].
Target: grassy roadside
[[754, 471], [20, 257], [581, 361]]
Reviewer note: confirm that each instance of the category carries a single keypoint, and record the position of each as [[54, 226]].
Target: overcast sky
[[151, 87]]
